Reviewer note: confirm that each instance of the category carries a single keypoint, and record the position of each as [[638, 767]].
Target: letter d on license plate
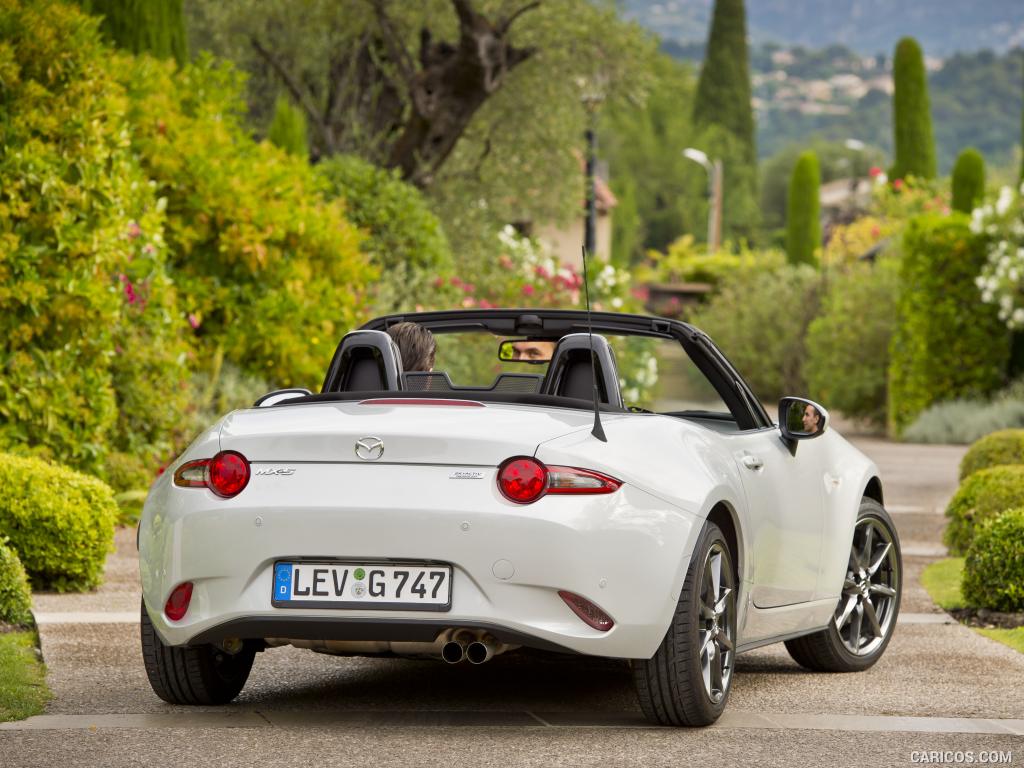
[[374, 586]]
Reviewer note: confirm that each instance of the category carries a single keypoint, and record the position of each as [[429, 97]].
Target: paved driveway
[[940, 687]]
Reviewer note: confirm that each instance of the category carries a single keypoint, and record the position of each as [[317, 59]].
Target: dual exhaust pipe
[[475, 646]]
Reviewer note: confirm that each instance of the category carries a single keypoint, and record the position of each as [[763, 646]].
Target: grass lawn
[[942, 580], [23, 690]]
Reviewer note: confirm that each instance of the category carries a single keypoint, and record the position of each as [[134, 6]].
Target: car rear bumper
[[626, 552]]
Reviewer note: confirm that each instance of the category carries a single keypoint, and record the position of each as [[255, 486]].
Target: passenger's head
[[416, 344]]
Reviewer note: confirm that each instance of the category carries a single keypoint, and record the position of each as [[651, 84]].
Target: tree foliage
[[156, 27], [913, 142], [968, 180], [803, 223], [518, 157], [288, 129], [724, 119]]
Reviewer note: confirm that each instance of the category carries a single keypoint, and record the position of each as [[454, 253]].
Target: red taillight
[[523, 479], [586, 610], [226, 474], [229, 473], [177, 603]]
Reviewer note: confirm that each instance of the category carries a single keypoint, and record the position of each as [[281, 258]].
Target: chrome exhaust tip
[[453, 652], [481, 650]]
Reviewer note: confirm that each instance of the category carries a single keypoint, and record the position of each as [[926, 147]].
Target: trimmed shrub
[[1003, 447], [981, 497], [968, 180], [803, 223], [994, 568], [15, 595], [61, 522], [947, 345], [288, 129], [913, 142], [964, 421], [760, 319], [848, 342], [406, 242]]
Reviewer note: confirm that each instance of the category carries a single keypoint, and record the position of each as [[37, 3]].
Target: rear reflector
[[586, 610], [573, 480], [177, 603]]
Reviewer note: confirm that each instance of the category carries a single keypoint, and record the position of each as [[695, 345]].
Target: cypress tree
[[156, 27], [968, 180], [724, 119], [912, 122], [803, 225], [288, 128]]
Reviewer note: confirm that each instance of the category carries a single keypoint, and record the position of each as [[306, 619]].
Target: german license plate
[[362, 585]]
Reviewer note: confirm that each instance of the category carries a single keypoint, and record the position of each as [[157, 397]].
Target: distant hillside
[[943, 27]]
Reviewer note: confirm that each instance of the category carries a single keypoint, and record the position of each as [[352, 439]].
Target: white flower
[[1012, 274], [881, 179], [986, 297], [616, 303], [1004, 201], [1018, 316], [1006, 302], [980, 281]]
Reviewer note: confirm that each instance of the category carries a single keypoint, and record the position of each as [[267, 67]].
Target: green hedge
[[1003, 447], [60, 522], [981, 497], [15, 595], [848, 342], [994, 569], [948, 344]]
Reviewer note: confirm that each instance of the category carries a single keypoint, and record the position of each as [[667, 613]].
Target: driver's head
[[811, 419], [530, 350], [416, 344]]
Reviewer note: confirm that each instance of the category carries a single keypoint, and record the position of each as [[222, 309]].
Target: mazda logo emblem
[[369, 448]]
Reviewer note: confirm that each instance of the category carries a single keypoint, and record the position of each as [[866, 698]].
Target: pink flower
[[542, 273], [641, 293], [468, 287], [897, 184], [468, 302], [148, 249], [134, 230], [485, 304], [455, 281], [528, 290], [875, 171], [505, 261], [438, 282], [129, 291], [875, 232], [193, 320]]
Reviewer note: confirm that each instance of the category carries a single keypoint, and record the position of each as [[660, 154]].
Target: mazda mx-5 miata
[[608, 488]]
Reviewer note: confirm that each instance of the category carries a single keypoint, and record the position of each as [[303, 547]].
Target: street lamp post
[[590, 230], [714, 171]]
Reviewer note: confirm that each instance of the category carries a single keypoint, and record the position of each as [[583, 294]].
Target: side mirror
[[280, 395], [800, 419], [535, 351]]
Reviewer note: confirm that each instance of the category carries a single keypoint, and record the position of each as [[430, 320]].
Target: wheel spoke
[[716, 575], [879, 560], [865, 557], [720, 605], [869, 611], [716, 672], [849, 583], [851, 603], [855, 625], [882, 589], [724, 641], [706, 638]]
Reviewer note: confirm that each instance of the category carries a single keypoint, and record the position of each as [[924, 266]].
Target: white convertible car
[[611, 489]]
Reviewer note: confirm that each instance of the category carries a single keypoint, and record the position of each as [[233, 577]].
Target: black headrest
[[571, 370], [365, 361]]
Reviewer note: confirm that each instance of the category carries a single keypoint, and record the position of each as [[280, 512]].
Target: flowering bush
[[684, 261], [1001, 281]]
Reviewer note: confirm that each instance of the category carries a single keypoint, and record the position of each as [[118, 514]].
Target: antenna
[[598, 430]]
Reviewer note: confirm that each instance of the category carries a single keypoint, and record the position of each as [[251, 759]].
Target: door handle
[[752, 462]]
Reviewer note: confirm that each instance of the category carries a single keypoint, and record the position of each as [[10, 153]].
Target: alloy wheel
[[866, 610], [717, 619]]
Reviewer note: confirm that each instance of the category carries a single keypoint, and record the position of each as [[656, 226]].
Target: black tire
[[671, 686], [827, 650], [193, 675]]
